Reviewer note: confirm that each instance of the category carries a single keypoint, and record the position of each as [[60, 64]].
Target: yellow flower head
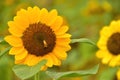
[[109, 44], [95, 7], [118, 74], [36, 35]]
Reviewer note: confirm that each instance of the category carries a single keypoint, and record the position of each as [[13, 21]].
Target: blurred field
[[85, 19]]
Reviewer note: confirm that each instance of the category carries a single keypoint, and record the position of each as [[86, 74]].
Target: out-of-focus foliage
[[85, 18], [57, 75], [25, 72]]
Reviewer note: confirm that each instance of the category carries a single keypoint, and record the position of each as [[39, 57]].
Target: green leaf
[[24, 71], [58, 75], [83, 40], [4, 51], [2, 41]]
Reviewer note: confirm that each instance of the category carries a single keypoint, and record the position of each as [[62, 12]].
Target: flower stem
[[37, 76]]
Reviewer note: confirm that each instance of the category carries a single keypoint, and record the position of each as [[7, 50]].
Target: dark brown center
[[113, 43], [38, 39]]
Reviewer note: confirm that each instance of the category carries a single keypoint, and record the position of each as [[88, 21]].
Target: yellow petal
[[20, 22], [102, 43], [16, 50], [100, 54], [14, 41], [106, 59], [32, 60], [60, 53], [106, 31], [34, 14], [22, 12], [56, 61], [21, 55], [49, 60], [35, 60], [118, 74], [15, 31], [64, 36], [13, 24], [20, 61], [63, 41], [62, 30], [114, 61], [43, 15], [114, 26], [27, 60], [64, 47], [57, 23], [52, 15]]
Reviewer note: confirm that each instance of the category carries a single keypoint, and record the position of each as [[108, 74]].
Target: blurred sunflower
[[94, 7], [118, 74], [36, 35], [109, 44], [9, 2]]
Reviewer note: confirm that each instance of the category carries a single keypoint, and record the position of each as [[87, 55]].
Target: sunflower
[[118, 74], [95, 7], [109, 44], [36, 35]]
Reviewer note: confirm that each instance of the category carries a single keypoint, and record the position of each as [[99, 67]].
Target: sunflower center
[[39, 39], [113, 44]]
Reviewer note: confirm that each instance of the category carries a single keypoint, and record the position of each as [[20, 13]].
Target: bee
[[45, 44]]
